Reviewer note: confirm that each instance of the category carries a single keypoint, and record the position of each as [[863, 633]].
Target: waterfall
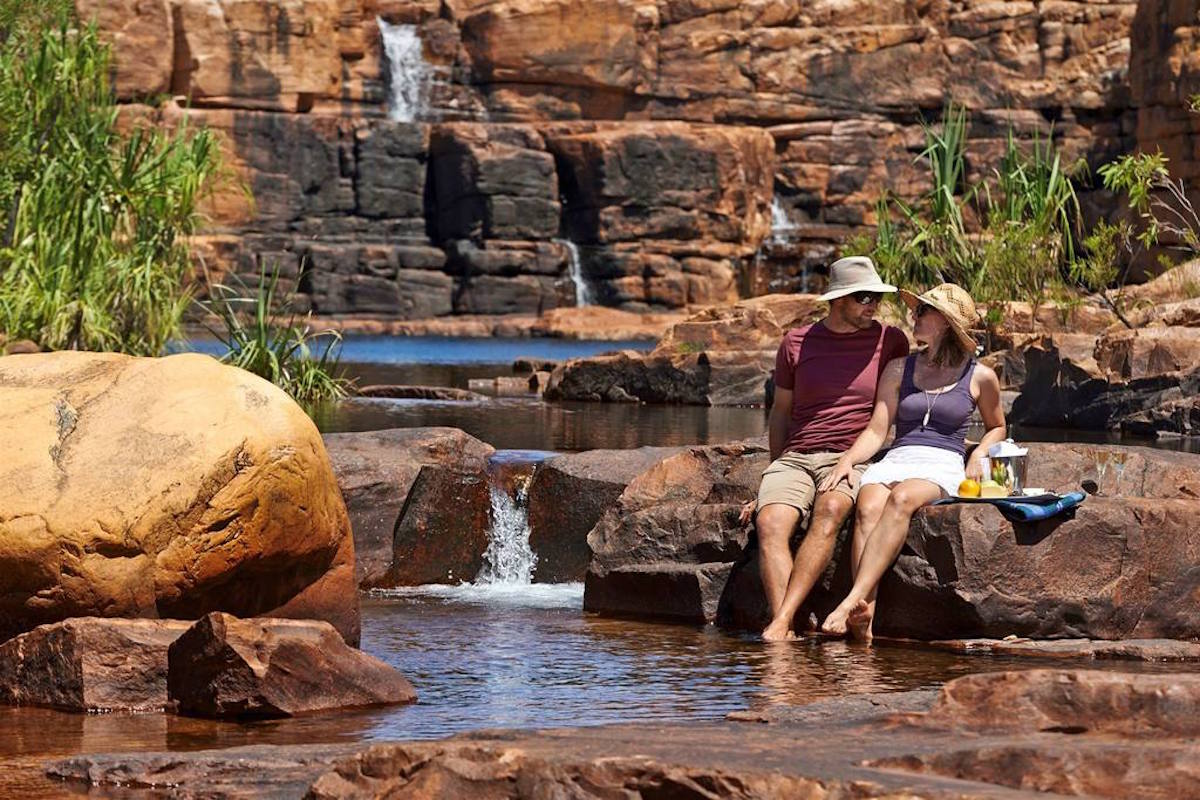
[[410, 76], [782, 226], [583, 292], [508, 558]]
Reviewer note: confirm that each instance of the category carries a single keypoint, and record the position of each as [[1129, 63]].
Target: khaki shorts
[[792, 480]]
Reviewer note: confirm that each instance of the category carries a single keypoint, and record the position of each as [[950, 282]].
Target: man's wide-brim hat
[[854, 274], [954, 304]]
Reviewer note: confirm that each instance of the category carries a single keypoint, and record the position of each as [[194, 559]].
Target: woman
[[930, 396]]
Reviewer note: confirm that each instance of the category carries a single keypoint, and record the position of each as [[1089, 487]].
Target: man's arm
[[777, 425]]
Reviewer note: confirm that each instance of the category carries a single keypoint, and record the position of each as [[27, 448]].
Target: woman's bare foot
[[859, 620], [778, 631], [835, 623]]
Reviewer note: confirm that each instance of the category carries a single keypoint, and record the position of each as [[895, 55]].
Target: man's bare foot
[[778, 631], [859, 620], [835, 623]]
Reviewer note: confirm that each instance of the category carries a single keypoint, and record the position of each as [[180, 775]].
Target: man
[[825, 379]]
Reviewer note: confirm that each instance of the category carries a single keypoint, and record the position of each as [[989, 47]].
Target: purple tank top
[[948, 418]]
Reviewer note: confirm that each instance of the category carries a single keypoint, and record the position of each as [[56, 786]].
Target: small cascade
[[583, 292], [508, 559], [410, 75], [782, 227]]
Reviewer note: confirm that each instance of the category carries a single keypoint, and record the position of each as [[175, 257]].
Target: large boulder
[[90, 664], [171, 487], [567, 496], [226, 667], [375, 471], [665, 549]]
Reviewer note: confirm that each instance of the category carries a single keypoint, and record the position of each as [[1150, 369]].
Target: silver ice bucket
[[1008, 471]]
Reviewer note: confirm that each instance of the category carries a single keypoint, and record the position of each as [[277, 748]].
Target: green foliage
[[93, 251], [1012, 235], [288, 355], [1138, 175]]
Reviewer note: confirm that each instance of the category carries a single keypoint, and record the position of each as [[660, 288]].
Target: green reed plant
[[1012, 235], [303, 363], [95, 214]]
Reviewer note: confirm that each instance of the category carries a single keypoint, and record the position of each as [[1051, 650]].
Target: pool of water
[[529, 657]]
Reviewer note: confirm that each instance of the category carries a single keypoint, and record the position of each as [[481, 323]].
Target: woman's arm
[[887, 396], [992, 411]]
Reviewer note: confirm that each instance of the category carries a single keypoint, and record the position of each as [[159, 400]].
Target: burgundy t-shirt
[[833, 378]]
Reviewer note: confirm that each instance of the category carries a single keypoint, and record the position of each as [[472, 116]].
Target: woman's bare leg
[[881, 548], [872, 499]]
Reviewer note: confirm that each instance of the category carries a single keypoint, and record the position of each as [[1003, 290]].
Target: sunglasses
[[866, 298]]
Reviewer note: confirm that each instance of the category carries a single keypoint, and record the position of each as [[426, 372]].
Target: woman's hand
[[747, 512], [840, 472], [975, 469]]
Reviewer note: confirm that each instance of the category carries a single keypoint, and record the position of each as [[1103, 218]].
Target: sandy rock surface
[[164, 488]]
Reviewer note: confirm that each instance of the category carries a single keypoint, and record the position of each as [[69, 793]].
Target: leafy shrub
[[93, 252]]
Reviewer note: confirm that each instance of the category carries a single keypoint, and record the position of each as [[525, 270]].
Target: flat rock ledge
[[1119, 567], [996, 735]]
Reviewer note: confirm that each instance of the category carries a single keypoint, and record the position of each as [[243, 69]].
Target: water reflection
[[480, 658]]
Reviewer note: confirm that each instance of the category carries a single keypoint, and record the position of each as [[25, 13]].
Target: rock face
[[1142, 381], [376, 471], [667, 127], [568, 495], [90, 664], [667, 547], [164, 488], [226, 667], [672, 547], [442, 530]]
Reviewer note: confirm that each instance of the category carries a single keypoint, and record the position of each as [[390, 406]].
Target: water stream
[[583, 291], [410, 76]]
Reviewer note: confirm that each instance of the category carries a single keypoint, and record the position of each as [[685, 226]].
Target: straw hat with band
[[853, 274], [954, 304]]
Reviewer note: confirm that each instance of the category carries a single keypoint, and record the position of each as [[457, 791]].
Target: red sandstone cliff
[[654, 134]]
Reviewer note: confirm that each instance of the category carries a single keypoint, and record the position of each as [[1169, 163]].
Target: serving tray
[[1044, 499]]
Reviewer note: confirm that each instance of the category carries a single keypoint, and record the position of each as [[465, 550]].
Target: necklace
[[931, 399]]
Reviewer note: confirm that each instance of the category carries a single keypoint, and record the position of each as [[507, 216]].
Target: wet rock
[[718, 378], [567, 497], [226, 667], [391, 167], [523, 366], [90, 664], [1128, 650], [1121, 704], [376, 471], [442, 531], [165, 487], [665, 549], [395, 391]]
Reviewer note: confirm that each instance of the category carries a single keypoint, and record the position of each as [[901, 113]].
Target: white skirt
[[943, 467]]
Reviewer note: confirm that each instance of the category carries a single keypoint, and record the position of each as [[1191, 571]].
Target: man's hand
[[840, 472], [747, 511]]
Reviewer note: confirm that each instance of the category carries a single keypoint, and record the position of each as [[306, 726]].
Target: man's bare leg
[[814, 554], [775, 524], [872, 499]]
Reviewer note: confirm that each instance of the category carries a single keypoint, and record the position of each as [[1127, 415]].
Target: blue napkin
[[1018, 511]]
